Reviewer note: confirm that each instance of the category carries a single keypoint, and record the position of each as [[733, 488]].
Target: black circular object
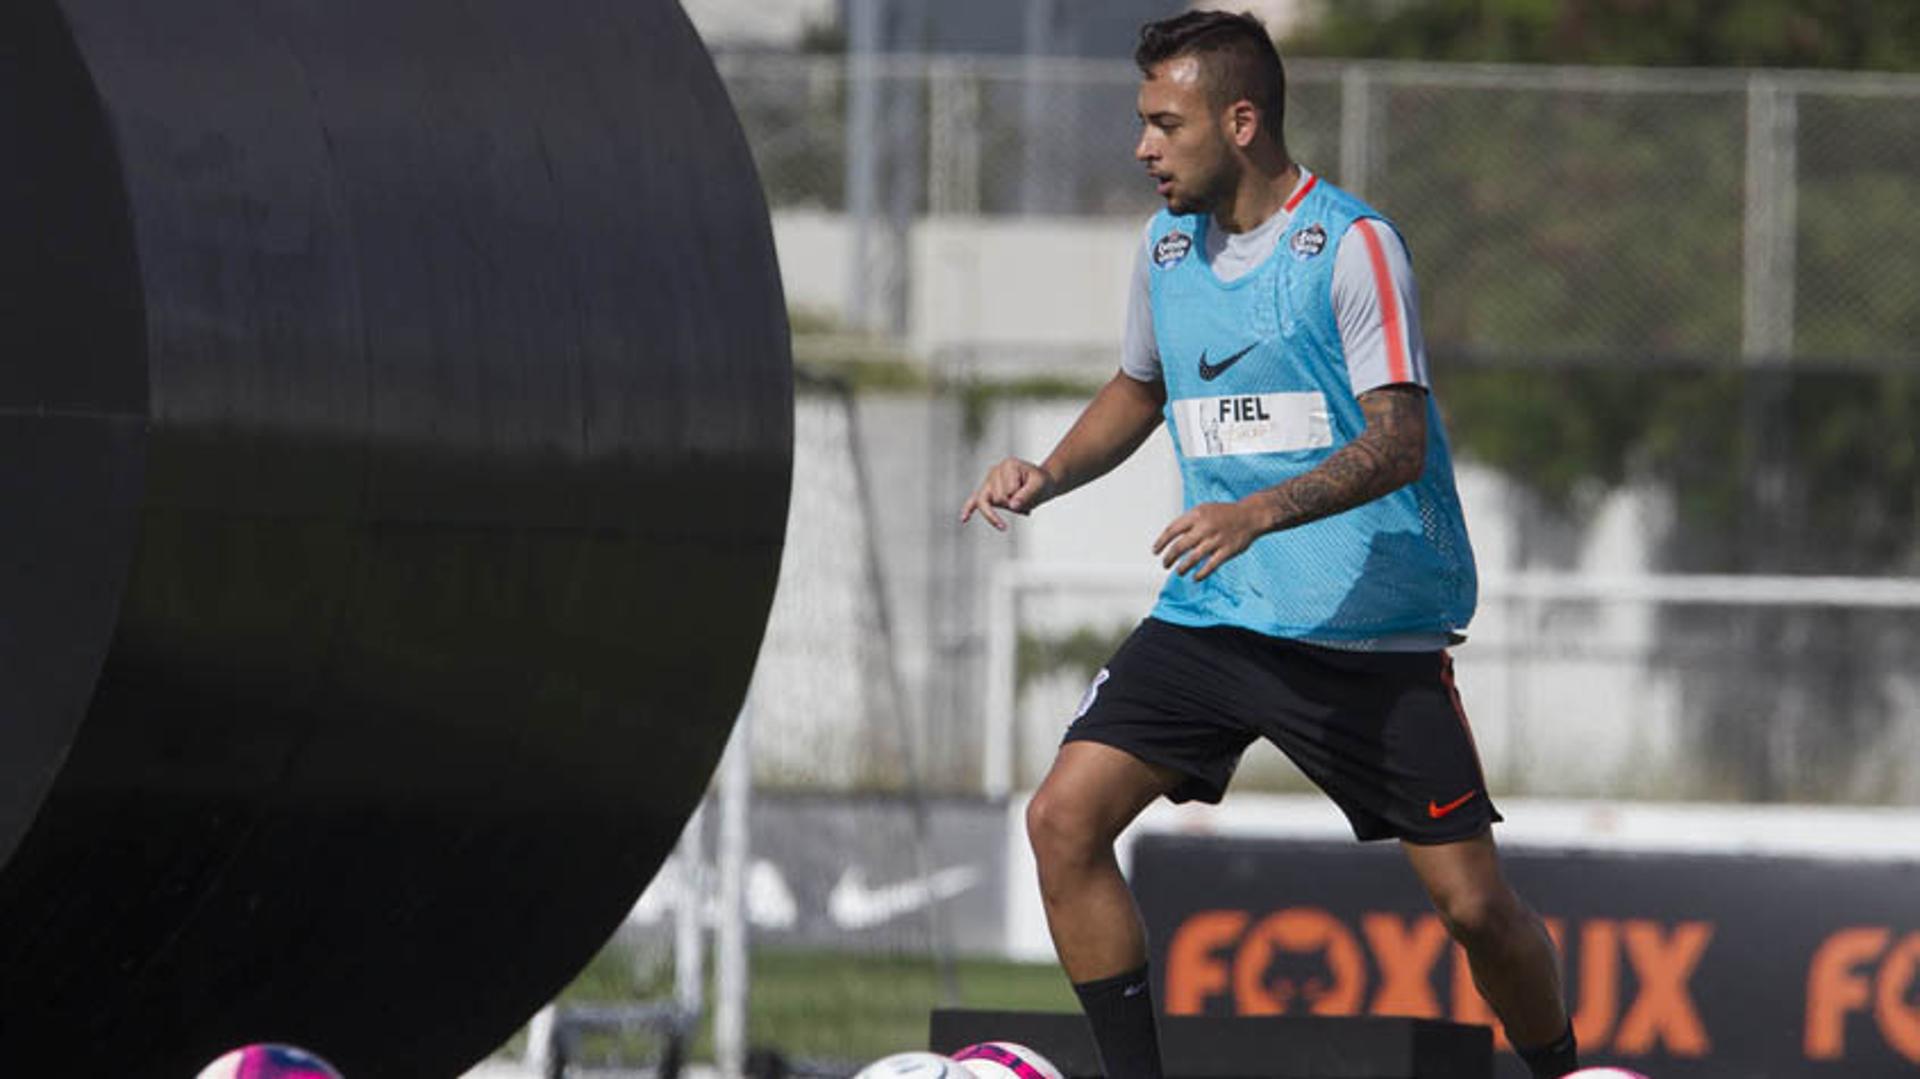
[[396, 410]]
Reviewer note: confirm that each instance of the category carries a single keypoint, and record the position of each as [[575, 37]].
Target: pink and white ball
[[1005, 1060], [913, 1065], [1603, 1073], [269, 1062]]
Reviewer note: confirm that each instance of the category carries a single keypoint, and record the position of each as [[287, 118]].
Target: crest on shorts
[[1093, 692], [1171, 248], [1308, 242]]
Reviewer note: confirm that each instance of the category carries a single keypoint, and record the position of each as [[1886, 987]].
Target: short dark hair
[[1237, 59]]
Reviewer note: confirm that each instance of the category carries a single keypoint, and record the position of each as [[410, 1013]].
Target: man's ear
[[1243, 123]]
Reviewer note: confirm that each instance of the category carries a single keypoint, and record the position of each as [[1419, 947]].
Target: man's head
[[1212, 97]]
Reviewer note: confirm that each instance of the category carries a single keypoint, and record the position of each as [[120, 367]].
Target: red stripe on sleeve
[[1398, 368], [1300, 194]]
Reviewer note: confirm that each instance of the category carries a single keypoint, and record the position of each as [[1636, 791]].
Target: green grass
[[837, 1006]]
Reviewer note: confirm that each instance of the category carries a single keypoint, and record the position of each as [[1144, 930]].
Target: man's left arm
[[1377, 307]]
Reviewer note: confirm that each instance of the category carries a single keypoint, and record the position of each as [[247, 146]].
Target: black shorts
[[1382, 733]]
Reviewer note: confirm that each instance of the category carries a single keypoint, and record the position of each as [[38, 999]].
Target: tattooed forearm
[[1386, 456]]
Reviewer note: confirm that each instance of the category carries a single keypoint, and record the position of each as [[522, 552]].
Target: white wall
[[1057, 283], [1060, 282]]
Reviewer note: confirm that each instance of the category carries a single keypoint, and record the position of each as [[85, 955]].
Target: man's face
[[1182, 141]]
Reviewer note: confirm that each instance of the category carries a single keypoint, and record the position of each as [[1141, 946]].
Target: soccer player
[[1320, 570]]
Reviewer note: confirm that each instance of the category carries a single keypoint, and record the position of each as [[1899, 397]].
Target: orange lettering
[[1834, 988], [1899, 1021], [1194, 970], [1300, 931], [1406, 961], [1664, 1009], [1599, 982]]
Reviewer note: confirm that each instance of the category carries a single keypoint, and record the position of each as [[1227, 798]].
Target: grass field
[[841, 1007]]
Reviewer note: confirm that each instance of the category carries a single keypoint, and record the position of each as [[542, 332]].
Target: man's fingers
[[1219, 559], [1006, 486], [1001, 484], [1174, 528], [1030, 487], [1195, 556], [982, 503], [986, 510], [1178, 549], [1168, 551], [1222, 554]]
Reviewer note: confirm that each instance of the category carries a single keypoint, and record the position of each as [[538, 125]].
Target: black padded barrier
[[395, 435], [1278, 1047]]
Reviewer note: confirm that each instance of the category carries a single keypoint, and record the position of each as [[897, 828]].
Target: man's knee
[[1481, 912], [1064, 829]]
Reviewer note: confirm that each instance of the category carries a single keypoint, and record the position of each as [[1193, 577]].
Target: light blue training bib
[[1258, 393]]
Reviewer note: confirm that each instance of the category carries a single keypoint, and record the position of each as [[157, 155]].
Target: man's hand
[[1111, 427], [1387, 455], [1208, 535], [1012, 484]]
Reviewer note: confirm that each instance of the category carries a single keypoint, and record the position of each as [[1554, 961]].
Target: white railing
[[1013, 581]]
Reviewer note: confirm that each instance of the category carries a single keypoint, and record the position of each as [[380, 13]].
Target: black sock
[[1120, 1011], [1553, 1060]]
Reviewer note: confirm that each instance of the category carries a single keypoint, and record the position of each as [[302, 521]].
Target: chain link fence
[[1557, 213], [1684, 299]]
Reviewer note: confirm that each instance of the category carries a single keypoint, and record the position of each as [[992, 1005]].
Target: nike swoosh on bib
[[1211, 371]]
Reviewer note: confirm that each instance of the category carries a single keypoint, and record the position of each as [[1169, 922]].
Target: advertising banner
[[866, 873], [1683, 966]]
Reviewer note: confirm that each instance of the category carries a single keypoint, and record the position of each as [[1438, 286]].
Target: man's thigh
[[1383, 733], [1173, 697], [1095, 790]]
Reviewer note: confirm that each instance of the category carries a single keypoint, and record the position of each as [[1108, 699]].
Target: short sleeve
[[1139, 350], [1377, 307]]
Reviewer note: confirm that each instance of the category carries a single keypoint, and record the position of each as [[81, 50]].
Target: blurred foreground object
[[397, 419]]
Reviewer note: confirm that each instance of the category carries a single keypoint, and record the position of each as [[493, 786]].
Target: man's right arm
[[1110, 428], [1114, 423]]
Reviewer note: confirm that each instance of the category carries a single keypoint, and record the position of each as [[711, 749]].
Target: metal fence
[[1557, 213], [1675, 317], [1736, 688]]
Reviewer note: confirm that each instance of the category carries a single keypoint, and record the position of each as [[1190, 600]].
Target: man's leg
[[1091, 794], [1514, 962]]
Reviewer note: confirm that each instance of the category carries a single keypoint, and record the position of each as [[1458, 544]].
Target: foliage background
[[1802, 464]]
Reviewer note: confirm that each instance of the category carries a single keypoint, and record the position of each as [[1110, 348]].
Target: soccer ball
[[269, 1062], [913, 1066], [1006, 1060], [1603, 1073]]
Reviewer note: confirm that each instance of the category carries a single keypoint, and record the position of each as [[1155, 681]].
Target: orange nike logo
[[1436, 810]]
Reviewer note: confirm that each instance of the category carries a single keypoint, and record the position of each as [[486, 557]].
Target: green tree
[[1581, 261], [1882, 35]]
